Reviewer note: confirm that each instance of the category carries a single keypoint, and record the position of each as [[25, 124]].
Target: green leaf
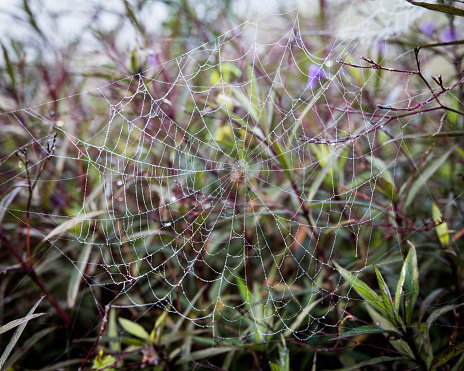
[[63, 227], [9, 67], [441, 227], [408, 284], [362, 289], [275, 367], [441, 134], [76, 277], [174, 331], [17, 334], [302, 315], [459, 365], [448, 354], [28, 345], [381, 321], [9, 196], [17, 322], [103, 362], [134, 329], [31, 17], [245, 293], [423, 343], [401, 346], [284, 359], [379, 165], [423, 338], [439, 312], [391, 311], [115, 345], [428, 300], [424, 177], [136, 343], [363, 330], [442, 8], [372, 361], [204, 353], [386, 188], [284, 158], [155, 336]]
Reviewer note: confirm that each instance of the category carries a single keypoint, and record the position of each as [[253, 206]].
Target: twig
[[31, 186], [102, 330], [376, 66], [30, 271]]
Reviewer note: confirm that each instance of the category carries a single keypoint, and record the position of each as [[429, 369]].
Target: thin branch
[[376, 66], [30, 271]]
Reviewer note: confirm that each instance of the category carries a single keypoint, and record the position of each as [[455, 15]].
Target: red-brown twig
[[31, 272], [102, 330]]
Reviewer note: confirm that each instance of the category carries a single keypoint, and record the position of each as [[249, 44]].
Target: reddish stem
[[30, 271]]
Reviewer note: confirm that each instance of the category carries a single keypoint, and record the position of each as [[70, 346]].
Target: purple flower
[[152, 59], [448, 34], [427, 28], [315, 73]]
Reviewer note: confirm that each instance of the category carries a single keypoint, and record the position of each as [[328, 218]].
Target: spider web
[[245, 188]]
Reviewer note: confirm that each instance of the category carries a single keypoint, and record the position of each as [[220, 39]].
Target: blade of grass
[[17, 334], [76, 277], [17, 322]]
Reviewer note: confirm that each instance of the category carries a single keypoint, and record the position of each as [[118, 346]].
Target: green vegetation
[[212, 194]]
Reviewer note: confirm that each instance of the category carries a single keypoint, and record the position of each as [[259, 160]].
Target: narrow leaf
[[8, 198], [386, 188], [439, 8], [392, 313], [284, 158], [363, 330], [9, 67], [115, 345], [428, 300], [174, 331], [362, 289], [459, 365], [134, 329], [245, 293], [303, 314], [408, 284], [17, 322], [448, 354], [27, 345], [204, 353], [423, 338], [72, 223], [441, 227], [381, 321], [17, 334], [76, 277], [401, 346], [439, 312], [159, 326], [424, 177], [284, 359], [372, 361]]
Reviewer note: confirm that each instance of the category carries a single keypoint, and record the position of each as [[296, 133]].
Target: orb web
[[225, 203]]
